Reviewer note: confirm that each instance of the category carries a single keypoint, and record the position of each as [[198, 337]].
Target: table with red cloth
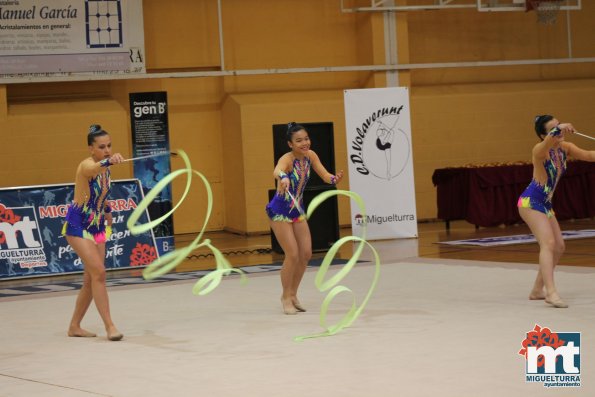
[[487, 196]]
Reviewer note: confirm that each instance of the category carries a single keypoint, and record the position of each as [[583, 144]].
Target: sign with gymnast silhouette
[[380, 160], [385, 151]]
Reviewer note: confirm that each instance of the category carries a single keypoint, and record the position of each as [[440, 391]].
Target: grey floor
[[434, 327]]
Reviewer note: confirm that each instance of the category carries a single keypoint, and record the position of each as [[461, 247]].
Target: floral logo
[[142, 255], [8, 216], [541, 337]]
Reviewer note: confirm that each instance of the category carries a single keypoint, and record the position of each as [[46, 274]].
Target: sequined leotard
[[86, 220], [539, 197], [282, 208]]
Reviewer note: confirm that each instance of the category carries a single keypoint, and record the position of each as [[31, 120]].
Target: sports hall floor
[[443, 320]]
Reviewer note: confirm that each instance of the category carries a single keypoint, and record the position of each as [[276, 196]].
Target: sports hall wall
[[459, 115]]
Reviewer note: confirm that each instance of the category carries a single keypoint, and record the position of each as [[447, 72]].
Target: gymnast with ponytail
[[88, 227], [535, 203], [286, 211]]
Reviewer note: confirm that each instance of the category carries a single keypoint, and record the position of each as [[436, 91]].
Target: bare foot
[[78, 332], [288, 307], [298, 305], [555, 300], [536, 295], [113, 334]]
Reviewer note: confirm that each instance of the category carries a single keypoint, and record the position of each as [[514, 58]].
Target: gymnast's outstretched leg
[[92, 256], [288, 242], [304, 241], [83, 301]]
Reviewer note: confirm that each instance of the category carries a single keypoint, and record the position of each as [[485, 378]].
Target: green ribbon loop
[[209, 282], [331, 283], [169, 261]]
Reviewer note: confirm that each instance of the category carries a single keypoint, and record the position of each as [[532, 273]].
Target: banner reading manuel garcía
[[150, 136], [31, 219], [47, 38], [380, 161]]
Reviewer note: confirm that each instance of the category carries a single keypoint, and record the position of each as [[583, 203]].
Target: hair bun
[[290, 124], [540, 122], [94, 128]]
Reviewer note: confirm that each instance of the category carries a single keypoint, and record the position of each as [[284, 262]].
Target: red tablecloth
[[487, 196]]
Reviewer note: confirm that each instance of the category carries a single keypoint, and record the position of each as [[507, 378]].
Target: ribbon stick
[[296, 203], [169, 261], [331, 284], [583, 135], [150, 155]]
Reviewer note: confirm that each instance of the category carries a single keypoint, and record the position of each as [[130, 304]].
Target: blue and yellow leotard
[[282, 208], [87, 219], [539, 197]]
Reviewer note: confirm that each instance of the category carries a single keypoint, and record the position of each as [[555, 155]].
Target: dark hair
[[540, 122], [94, 131], [292, 128]]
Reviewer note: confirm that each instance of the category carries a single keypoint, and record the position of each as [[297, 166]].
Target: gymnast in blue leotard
[[538, 195], [286, 211], [535, 203], [287, 206], [87, 219], [86, 232]]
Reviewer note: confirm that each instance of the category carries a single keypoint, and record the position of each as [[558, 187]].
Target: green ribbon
[[331, 283], [209, 282], [169, 261]]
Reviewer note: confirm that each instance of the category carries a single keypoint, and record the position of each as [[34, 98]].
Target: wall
[[259, 113], [233, 165], [471, 36]]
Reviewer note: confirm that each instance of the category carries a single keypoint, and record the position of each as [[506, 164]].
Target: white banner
[[380, 161], [66, 37]]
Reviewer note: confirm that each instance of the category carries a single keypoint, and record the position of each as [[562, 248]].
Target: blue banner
[[31, 241], [150, 136]]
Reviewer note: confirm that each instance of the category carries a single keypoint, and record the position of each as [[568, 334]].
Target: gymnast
[[86, 232], [535, 203], [286, 214], [383, 143]]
